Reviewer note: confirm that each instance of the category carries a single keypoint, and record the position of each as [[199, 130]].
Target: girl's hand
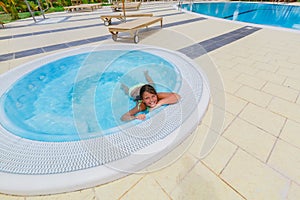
[[141, 117]]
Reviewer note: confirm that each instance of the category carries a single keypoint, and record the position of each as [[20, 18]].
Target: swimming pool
[[30, 166], [278, 15]]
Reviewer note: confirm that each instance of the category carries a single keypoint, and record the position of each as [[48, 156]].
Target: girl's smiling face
[[149, 99]]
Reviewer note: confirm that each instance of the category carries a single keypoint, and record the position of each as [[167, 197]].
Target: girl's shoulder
[[162, 95]]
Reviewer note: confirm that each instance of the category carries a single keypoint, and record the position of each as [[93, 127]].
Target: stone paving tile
[[7, 45], [250, 138], [87, 194], [266, 66], [116, 189], [270, 77], [292, 73], [281, 91], [221, 63], [213, 112], [213, 28], [245, 69], [245, 60], [5, 66], [263, 118], [254, 96], [169, 176], [281, 61], [201, 183], [147, 188], [10, 197], [196, 147], [234, 104], [229, 74], [254, 179], [26, 43], [206, 120], [285, 108], [294, 59], [218, 158], [293, 83], [294, 192], [251, 81], [230, 86], [285, 158], [223, 58]]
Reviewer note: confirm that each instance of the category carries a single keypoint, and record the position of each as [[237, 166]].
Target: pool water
[[285, 16], [80, 96]]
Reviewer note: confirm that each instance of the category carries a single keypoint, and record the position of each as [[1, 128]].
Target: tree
[[11, 8], [2, 5]]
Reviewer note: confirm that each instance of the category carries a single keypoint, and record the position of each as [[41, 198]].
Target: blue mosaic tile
[[41, 32], [55, 47], [77, 43], [30, 52], [100, 38], [183, 22], [6, 37], [8, 56], [22, 35], [203, 47]]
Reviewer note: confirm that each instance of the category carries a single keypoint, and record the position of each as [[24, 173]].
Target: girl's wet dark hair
[[147, 88]]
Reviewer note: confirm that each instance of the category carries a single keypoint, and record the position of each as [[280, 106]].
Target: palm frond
[[2, 5]]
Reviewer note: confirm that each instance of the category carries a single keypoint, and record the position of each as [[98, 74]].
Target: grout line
[[224, 181], [162, 188], [94, 193], [132, 186], [231, 157], [272, 149]]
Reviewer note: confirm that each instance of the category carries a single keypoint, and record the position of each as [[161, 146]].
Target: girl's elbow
[[178, 97], [125, 117]]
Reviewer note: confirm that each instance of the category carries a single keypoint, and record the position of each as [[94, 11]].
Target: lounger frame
[[83, 7], [133, 27], [107, 18], [127, 6]]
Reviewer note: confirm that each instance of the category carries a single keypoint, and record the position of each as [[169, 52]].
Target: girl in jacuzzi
[[147, 99]]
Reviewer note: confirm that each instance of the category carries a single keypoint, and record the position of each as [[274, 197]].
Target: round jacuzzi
[[60, 127]]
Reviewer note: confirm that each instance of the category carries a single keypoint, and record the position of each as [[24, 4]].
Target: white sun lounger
[[83, 7], [107, 18], [133, 27], [127, 6]]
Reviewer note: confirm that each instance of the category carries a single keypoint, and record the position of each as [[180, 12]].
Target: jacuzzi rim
[[20, 184], [28, 67]]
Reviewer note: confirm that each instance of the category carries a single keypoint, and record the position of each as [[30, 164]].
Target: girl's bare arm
[[166, 98], [131, 114]]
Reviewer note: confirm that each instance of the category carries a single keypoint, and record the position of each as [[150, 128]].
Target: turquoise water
[[80, 97], [286, 16]]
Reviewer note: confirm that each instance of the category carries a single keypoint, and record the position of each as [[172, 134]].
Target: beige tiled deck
[[258, 153]]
